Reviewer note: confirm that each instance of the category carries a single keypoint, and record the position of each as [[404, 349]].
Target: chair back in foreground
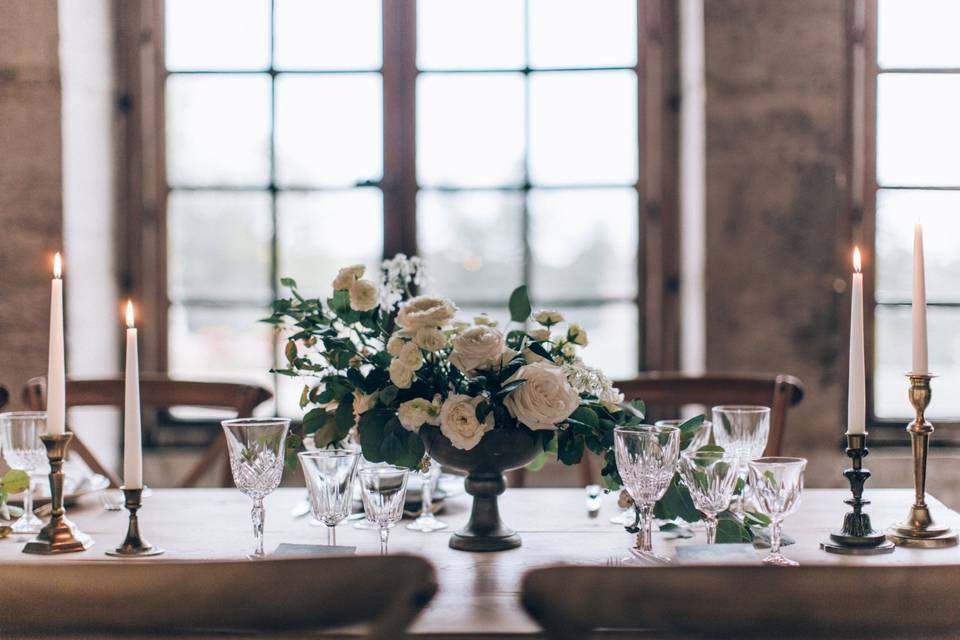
[[4, 396], [159, 392], [670, 391], [176, 596], [738, 602]]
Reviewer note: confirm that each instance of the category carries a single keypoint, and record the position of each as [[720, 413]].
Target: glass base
[[27, 523], [427, 524], [777, 560]]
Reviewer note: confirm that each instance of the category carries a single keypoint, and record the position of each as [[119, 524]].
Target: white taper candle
[[920, 364], [856, 386], [56, 367], [132, 452]]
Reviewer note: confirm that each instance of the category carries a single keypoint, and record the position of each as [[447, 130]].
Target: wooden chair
[[272, 595], [745, 602], [159, 392], [4, 396]]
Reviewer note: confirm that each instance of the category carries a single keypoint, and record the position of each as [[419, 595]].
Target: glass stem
[[426, 508], [256, 514], [384, 535], [28, 499], [710, 523], [775, 529], [645, 537], [331, 535]]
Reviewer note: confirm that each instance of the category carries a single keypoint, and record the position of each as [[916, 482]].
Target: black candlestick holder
[[857, 536], [134, 546]]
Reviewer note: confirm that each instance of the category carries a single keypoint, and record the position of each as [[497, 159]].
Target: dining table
[[478, 593]]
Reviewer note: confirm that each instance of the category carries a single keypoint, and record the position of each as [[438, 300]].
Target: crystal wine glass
[[383, 489], [777, 485], [742, 430], [256, 447], [701, 437], [646, 460], [426, 521], [330, 474], [711, 477], [22, 449]]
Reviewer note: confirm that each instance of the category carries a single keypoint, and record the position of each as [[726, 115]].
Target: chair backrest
[[668, 391], [732, 602], [160, 392], [177, 596], [4, 396]]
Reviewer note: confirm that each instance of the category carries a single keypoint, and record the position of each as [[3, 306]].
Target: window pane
[[613, 336], [328, 34], [218, 130], [583, 128], [470, 34], [470, 129], [329, 129], [918, 33], [897, 211], [217, 34], [917, 135], [583, 33], [893, 359], [219, 246], [584, 243], [221, 343], [318, 233], [472, 242]]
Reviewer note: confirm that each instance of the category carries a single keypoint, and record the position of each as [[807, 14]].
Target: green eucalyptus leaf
[[520, 308], [731, 531], [344, 415], [15, 481], [288, 282], [371, 431], [569, 447], [676, 503]]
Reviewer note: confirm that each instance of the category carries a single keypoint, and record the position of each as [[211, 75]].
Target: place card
[[717, 554]]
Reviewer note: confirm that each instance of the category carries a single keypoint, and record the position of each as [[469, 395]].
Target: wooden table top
[[478, 591]]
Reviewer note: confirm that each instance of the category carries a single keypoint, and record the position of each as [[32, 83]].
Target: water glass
[[777, 485], [426, 522], [701, 437], [711, 477], [383, 489], [20, 433], [330, 474], [256, 447], [646, 460], [742, 430]]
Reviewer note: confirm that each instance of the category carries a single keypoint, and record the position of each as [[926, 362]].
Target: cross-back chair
[[158, 392]]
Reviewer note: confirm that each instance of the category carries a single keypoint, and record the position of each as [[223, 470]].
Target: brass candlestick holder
[[134, 545], [919, 529], [59, 535], [857, 536]]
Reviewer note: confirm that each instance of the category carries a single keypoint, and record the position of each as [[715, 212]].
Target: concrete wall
[[31, 219]]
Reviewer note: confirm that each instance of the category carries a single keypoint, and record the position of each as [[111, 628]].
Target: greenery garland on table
[[384, 362]]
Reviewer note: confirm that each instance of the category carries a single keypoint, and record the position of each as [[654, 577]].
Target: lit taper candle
[[856, 387], [920, 364], [132, 453], [56, 368]]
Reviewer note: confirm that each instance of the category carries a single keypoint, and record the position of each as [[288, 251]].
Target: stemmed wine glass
[[330, 474], [742, 430], [711, 477], [22, 449], [426, 521], [646, 460], [777, 485], [256, 447], [383, 489]]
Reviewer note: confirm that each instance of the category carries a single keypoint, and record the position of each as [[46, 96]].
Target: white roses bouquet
[[383, 363]]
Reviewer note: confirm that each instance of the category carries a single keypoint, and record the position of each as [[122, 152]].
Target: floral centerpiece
[[405, 377]]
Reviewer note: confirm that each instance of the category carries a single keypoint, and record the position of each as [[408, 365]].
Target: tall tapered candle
[[920, 364], [56, 369], [856, 387], [132, 453]]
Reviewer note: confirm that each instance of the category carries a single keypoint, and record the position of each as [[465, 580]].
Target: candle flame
[[856, 259], [57, 265], [130, 314]]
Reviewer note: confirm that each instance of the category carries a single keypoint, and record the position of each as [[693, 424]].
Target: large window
[[502, 140], [917, 134]]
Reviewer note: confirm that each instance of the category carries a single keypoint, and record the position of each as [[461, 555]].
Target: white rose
[[540, 335], [548, 317], [395, 345], [577, 335], [477, 348], [410, 355], [545, 399], [430, 339], [569, 350], [415, 413], [425, 311], [400, 374], [347, 276], [363, 402], [458, 421], [364, 295]]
